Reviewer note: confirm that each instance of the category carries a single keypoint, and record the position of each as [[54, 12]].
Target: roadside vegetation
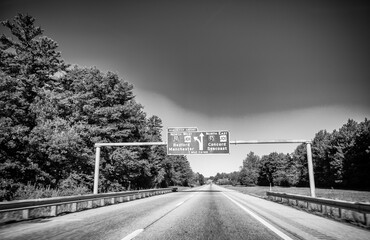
[[52, 114], [341, 160]]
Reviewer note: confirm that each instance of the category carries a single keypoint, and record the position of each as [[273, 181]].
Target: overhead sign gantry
[[184, 141]]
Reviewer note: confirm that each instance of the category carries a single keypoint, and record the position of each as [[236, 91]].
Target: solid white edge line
[[271, 227], [133, 234]]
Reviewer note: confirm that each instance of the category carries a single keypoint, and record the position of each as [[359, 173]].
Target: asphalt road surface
[[207, 212]]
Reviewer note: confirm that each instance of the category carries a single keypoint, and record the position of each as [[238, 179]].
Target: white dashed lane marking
[[179, 203], [138, 231], [133, 234]]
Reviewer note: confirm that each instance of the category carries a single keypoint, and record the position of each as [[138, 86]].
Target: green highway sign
[[195, 142]]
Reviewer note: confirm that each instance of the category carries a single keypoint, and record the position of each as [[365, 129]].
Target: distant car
[[174, 189]]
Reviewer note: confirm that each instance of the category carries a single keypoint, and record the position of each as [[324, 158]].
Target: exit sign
[[196, 142]]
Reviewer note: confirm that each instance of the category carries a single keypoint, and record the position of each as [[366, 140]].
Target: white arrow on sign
[[200, 141]]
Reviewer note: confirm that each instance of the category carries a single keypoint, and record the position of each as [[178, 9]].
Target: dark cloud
[[220, 57]]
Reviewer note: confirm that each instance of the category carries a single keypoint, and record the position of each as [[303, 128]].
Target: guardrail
[[50, 207], [352, 211]]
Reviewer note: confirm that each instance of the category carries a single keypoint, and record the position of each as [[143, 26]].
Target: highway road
[[207, 212]]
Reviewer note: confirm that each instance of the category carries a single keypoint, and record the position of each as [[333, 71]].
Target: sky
[[263, 70]]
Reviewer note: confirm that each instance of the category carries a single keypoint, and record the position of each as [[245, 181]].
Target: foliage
[[28, 67], [356, 166], [226, 178], [267, 169], [340, 159], [198, 179], [249, 172], [53, 114], [36, 192], [300, 159], [221, 179]]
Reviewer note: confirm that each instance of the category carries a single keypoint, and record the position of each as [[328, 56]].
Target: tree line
[[53, 113], [341, 159]]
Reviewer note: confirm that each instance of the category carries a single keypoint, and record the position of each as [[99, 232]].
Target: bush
[[29, 191], [8, 188], [33, 192]]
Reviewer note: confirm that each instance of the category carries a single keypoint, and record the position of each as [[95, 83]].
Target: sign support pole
[[96, 175], [310, 169]]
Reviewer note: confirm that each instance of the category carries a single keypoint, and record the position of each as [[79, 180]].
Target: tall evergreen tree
[[28, 64], [249, 172], [321, 146], [356, 166]]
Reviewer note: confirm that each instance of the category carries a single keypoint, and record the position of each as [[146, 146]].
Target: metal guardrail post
[[74, 207], [310, 169], [25, 213], [96, 174], [53, 211]]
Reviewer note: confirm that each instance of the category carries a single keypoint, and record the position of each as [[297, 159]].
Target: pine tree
[[28, 65]]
